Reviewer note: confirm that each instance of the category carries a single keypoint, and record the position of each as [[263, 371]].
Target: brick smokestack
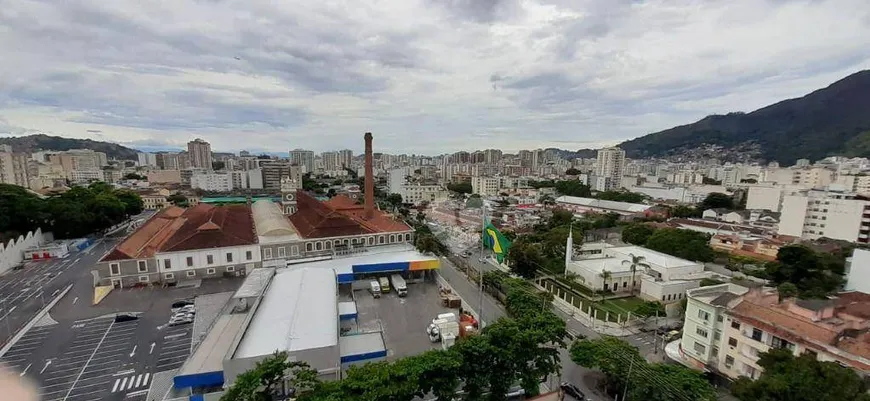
[[370, 179]]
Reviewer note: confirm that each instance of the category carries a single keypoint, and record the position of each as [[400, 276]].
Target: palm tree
[[635, 262], [605, 276]]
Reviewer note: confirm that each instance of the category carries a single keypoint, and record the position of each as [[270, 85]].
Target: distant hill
[[579, 154], [33, 143], [830, 121]]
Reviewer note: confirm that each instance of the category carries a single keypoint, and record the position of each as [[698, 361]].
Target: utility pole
[[656, 336], [480, 266], [627, 379]]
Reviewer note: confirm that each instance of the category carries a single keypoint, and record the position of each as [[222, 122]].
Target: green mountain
[[32, 143], [830, 121]]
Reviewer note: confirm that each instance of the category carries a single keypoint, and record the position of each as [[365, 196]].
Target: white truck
[[399, 284]]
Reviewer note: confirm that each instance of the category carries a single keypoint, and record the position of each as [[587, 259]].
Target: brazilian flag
[[493, 239]]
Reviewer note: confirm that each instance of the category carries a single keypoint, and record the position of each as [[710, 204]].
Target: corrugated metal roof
[[299, 311], [603, 204], [255, 282]]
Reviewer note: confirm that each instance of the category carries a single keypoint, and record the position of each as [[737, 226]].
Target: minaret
[[569, 246]]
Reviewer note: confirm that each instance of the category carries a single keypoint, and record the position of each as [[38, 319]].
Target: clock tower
[[289, 186]]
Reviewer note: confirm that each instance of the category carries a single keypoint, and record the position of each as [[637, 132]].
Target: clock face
[[290, 196]]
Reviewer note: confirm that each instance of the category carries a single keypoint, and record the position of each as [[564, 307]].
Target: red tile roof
[[176, 229], [209, 226], [339, 216]]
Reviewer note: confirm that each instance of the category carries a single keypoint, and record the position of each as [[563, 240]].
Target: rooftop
[[299, 311], [270, 222], [717, 295], [210, 354], [339, 216], [255, 283], [603, 204]]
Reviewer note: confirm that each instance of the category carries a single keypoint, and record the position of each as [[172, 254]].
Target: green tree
[[266, 380], [547, 200], [717, 200], [133, 203], [573, 171], [474, 202], [525, 258], [460, 187], [625, 369], [177, 200], [803, 378], [636, 262], [134, 176], [427, 243], [621, 196], [637, 233], [572, 188], [395, 200], [814, 274], [686, 244], [786, 290], [682, 211]]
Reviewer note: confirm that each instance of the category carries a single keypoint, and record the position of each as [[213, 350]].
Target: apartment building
[[610, 164], [418, 193], [834, 330], [200, 155], [704, 325], [831, 214], [485, 186], [13, 168], [303, 158], [859, 184], [212, 182]]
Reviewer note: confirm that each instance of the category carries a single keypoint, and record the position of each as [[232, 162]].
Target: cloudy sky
[[425, 76]]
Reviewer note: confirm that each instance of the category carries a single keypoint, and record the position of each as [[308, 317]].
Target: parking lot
[[403, 320], [98, 358]]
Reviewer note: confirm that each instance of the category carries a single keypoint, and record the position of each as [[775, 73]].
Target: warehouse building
[[306, 310]]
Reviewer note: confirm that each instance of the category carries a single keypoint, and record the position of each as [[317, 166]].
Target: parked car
[[573, 391], [182, 303]]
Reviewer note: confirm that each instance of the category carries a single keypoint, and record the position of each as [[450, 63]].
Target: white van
[[375, 288], [399, 284]]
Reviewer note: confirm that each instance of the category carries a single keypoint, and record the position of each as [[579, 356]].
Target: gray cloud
[[425, 76]]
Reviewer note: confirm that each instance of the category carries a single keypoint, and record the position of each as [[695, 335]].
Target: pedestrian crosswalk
[[131, 382]]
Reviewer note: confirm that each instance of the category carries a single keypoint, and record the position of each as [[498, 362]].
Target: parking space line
[[89, 361]]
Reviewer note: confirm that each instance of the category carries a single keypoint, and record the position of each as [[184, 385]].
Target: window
[[230, 257], [143, 266], [167, 264], [191, 273], [282, 252], [717, 335], [294, 250], [371, 240], [318, 246], [701, 332], [114, 269], [189, 261], [309, 247], [392, 238], [732, 342], [408, 237], [231, 268], [209, 270], [381, 239], [714, 352], [703, 315], [663, 297], [169, 276], [735, 324], [729, 361], [267, 253], [209, 259], [756, 334], [327, 245], [777, 342], [624, 284], [249, 255], [699, 348], [720, 318], [143, 279]]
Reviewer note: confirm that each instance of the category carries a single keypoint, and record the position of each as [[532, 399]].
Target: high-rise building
[[147, 159], [302, 158], [611, 163], [345, 158], [13, 168], [199, 152], [492, 156], [330, 161]]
